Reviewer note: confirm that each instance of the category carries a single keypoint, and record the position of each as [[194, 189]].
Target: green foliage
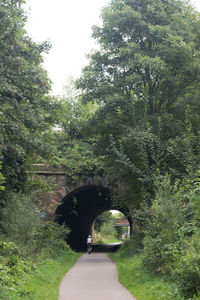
[[20, 220], [105, 217], [26, 110], [118, 215], [145, 78], [77, 157], [142, 284], [108, 229], [50, 238], [44, 281], [23, 279], [2, 180], [171, 242], [8, 248], [13, 267], [72, 149], [137, 111], [26, 240], [131, 246], [22, 224], [146, 50], [169, 224], [186, 272], [104, 229]]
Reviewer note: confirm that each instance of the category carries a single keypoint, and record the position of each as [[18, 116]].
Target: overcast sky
[[67, 24]]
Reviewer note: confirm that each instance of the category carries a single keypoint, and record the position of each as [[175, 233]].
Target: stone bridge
[[76, 204]]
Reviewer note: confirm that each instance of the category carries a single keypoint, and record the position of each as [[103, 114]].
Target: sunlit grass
[[105, 239], [142, 284], [110, 240]]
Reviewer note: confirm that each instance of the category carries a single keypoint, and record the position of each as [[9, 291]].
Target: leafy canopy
[[25, 109], [149, 50]]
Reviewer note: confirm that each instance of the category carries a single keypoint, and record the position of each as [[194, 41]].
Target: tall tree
[[147, 66], [148, 48], [24, 84]]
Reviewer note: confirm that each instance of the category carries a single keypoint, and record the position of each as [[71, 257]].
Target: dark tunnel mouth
[[79, 209]]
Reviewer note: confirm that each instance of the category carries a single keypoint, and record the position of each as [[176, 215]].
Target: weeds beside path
[[44, 282], [140, 283]]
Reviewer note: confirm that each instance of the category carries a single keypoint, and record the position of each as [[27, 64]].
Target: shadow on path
[[106, 247]]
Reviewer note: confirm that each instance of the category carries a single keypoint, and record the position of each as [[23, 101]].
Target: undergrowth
[[39, 281], [140, 282]]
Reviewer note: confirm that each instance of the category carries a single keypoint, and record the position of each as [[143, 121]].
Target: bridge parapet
[[60, 183], [121, 223]]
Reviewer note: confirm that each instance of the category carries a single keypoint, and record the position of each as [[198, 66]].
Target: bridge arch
[[79, 209]]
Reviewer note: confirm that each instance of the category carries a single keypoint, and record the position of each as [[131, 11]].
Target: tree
[[104, 218], [25, 109], [149, 52], [146, 68], [72, 148]]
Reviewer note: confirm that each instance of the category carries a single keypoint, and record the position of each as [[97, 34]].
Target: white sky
[[67, 24]]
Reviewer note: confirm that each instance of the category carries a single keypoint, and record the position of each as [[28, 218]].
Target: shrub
[[25, 238], [186, 272], [169, 224], [20, 220], [108, 229], [12, 267], [131, 246], [21, 224], [51, 238], [98, 239], [8, 248]]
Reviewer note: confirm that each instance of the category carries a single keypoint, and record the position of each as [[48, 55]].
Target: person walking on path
[[93, 278]]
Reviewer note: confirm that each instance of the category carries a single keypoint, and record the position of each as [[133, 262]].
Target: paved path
[[94, 277]]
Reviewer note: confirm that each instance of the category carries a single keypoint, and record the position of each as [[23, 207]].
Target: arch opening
[[79, 209], [111, 227]]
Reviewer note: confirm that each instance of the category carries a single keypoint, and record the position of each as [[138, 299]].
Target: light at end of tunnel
[[114, 212]]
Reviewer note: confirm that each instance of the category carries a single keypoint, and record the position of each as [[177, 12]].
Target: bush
[[186, 271], [108, 229], [131, 246], [20, 221], [8, 248], [169, 224], [22, 224], [12, 267], [98, 238], [25, 238], [51, 238]]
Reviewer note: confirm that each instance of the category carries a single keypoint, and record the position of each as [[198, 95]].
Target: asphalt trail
[[94, 277]]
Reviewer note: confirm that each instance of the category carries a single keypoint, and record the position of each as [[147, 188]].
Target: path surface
[[94, 277]]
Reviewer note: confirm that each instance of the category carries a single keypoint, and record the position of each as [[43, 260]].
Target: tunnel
[[79, 209]]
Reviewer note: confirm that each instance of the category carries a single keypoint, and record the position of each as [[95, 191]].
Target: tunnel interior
[[79, 209]]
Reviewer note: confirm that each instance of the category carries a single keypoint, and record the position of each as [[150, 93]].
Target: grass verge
[[105, 239], [142, 284], [44, 282], [110, 240]]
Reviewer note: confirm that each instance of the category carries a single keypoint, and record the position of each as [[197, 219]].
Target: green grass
[[142, 284], [110, 240], [103, 239], [44, 283]]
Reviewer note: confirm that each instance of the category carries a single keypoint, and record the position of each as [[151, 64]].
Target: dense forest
[[133, 116]]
